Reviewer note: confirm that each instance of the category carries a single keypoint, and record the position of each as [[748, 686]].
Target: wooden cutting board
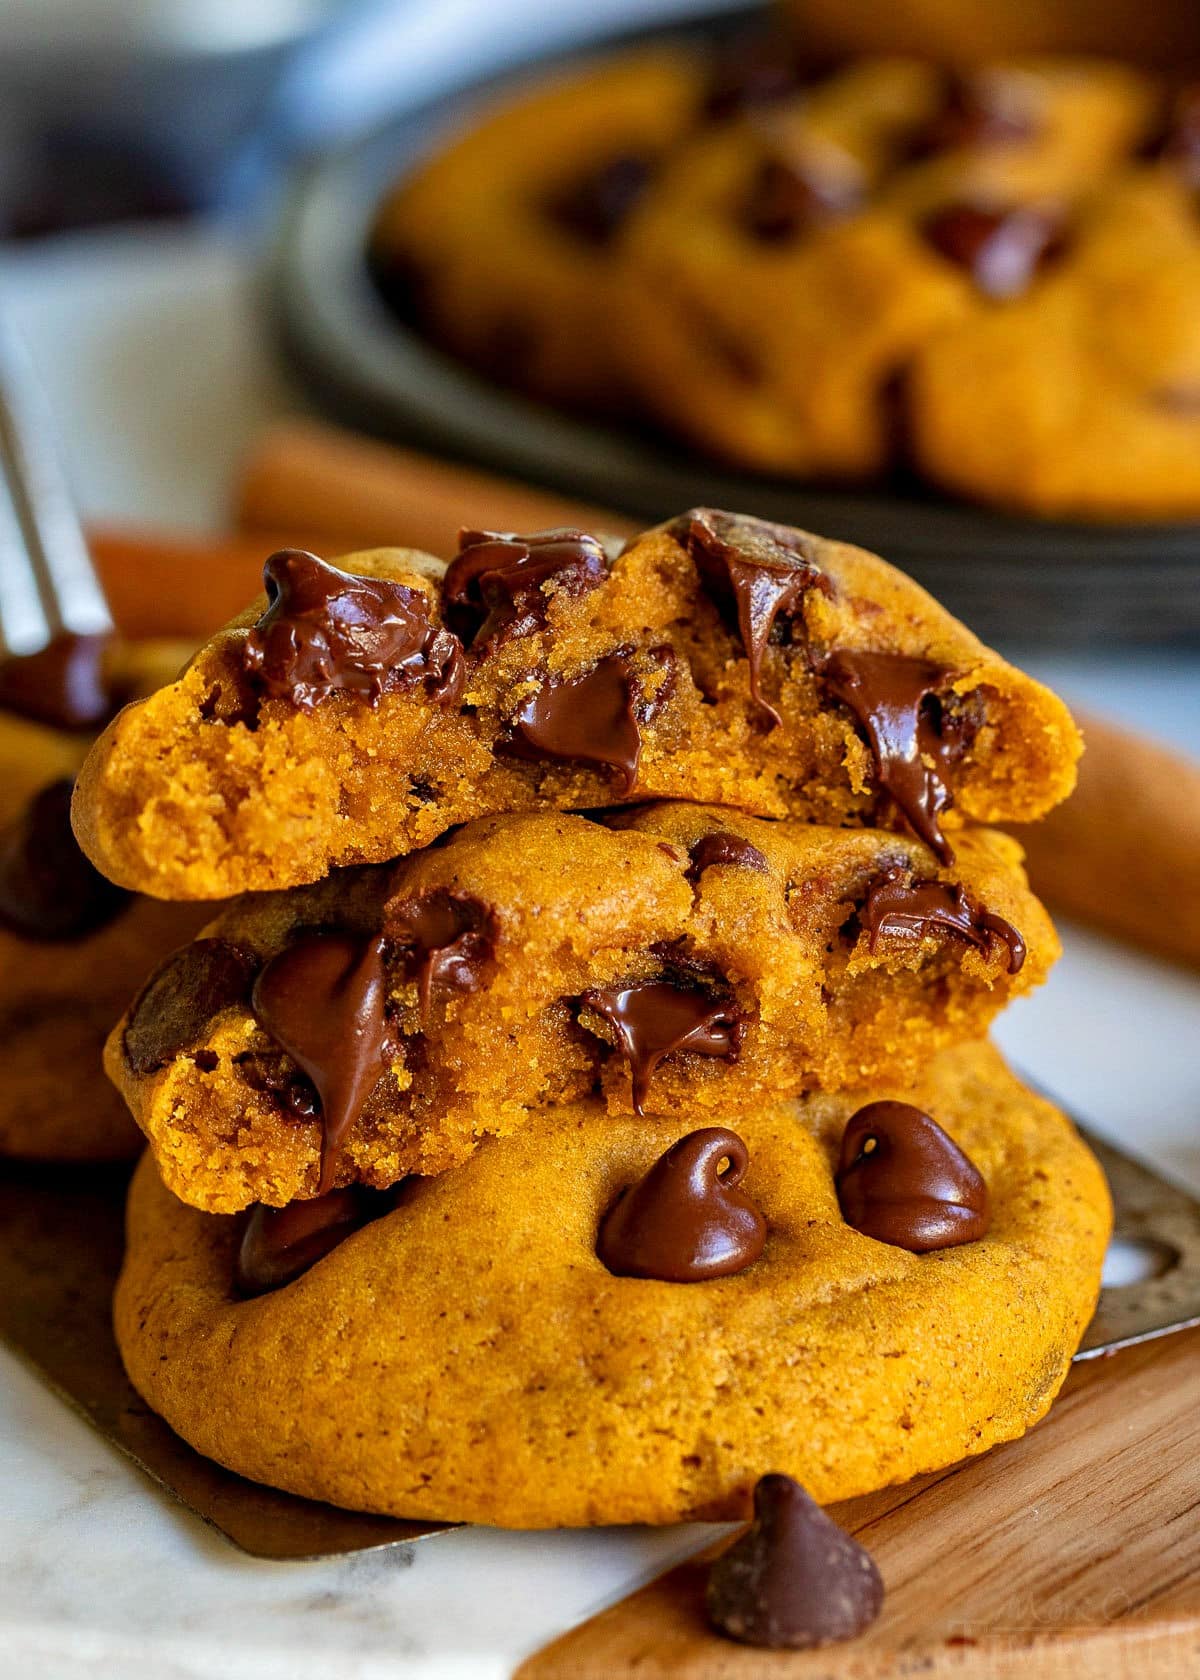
[[1073, 1554]]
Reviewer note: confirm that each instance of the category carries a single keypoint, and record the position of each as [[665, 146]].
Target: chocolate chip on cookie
[[902, 1180], [687, 1219], [326, 631]]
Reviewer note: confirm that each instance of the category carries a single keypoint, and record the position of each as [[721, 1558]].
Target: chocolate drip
[[790, 194], [794, 1580], [498, 584], [902, 1180], [653, 1018], [762, 570], [977, 111], [898, 907], [447, 939], [590, 718], [48, 889], [322, 1000], [177, 1005], [325, 630], [279, 1244], [594, 206], [889, 694], [723, 848], [686, 1220], [62, 684], [1001, 249]]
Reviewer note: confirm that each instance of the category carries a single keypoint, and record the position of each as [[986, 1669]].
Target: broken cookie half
[[368, 706], [677, 960]]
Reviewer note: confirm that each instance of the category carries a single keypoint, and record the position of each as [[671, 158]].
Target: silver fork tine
[[47, 582]]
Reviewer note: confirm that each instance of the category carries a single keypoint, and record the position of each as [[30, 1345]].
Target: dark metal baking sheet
[[1011, 578]]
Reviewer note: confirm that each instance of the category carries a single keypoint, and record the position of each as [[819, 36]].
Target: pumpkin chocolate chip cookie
[[365, 708], [502, 244], [73, 948], [687, 961], [632, 1321]]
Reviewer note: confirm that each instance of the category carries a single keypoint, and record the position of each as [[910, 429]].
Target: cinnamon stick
[[1123, 853], [334, 489]]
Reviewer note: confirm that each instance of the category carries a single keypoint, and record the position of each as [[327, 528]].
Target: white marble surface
[[156, 369]]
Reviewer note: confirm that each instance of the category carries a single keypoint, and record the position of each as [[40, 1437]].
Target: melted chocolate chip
[[498, 584], [794, 1580], [279, 1244], [48, 889], [272, 1073], [62, 684], [184, 995], [977, 111], [898, 907], [902, 1180], [1002, 250], [325, 630], [590, 718], [723, 848], [762, 570], [447, 938], [789, 195], [653, 1018], [888, 694], [686, 1220], [322, 1000], [593, 207], [748, 71]]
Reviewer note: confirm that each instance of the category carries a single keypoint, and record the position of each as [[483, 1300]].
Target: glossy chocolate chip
[[687, 1219], [1003, 250], [794, 1580], [499, 583], [447, 939], [653, 1018], [322, 1000], [62, 685], [594, 206], [185, 994], [903, 1181], [327, 631], [899, 907], [758, 571], [589, 719], [278, 1245], [723, 849], [888, 695], [48, 889]]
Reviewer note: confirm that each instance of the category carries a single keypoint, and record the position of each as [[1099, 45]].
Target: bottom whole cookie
[[469, 1357]]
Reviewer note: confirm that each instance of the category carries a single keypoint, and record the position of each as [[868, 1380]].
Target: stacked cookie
[[990, 277], [587, 1107]]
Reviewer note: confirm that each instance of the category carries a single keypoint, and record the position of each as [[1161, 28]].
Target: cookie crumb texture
[[469, 1357], [211, 787], [542, 921]]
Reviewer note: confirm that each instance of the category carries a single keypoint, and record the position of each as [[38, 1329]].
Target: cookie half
[[369, 707], [685, 962], [468, 1356]]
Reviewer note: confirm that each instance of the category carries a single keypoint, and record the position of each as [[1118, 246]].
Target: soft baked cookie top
[[372, 706]]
